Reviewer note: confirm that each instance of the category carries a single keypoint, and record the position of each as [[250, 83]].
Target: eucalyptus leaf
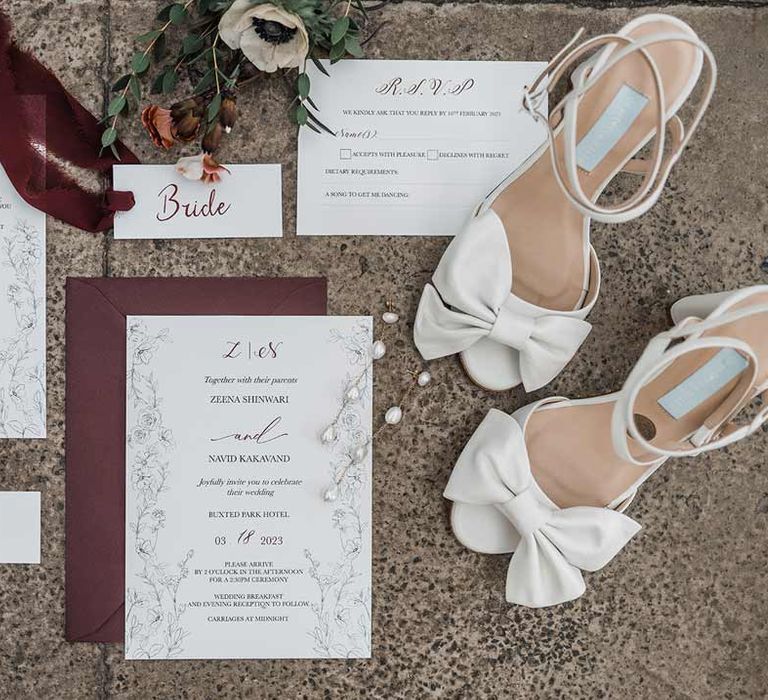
[[302, 85], [214, 107], [191, 43], [121, 82], [170, 78], [165, 14], [319, 66], [352, 45], [158, 50], [204, 82], [114, 151], [301, 115], [108, 137], [149, 36], [116, 105], [340, 28], [140, 62], [177, 14], [320, 124], [337, 51], [232, 79], [157, 84], [135, 87]]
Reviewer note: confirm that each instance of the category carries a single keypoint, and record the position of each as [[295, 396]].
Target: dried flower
[[201, 167], [212, 170], [187, 116], [159, 125], [268, 36]]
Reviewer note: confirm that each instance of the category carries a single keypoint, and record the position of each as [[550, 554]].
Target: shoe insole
[[546, 233], [570, 447]]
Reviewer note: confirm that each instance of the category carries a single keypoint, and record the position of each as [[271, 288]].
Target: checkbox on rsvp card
[[345, 153], [431, 154]]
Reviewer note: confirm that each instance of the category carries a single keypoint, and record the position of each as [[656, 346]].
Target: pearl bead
[[353, 393], [331, 494], [378, 350], [390, 317], [329, 435], [424, 378], [359, 454], [393, 415]]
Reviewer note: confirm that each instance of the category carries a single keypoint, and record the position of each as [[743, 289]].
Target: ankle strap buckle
[[534, 94], [532, 101]]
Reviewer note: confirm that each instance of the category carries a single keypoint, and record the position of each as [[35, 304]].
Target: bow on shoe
[[474, 279], [555, 544]]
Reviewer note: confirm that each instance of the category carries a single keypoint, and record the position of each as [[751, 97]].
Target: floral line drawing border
[[343, 609], [22, 375], [153, 613]]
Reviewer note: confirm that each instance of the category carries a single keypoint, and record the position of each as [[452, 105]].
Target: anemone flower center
[[273, 32]]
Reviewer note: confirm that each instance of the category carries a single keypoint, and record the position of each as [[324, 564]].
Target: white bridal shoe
[[551, 481], [513, 289]]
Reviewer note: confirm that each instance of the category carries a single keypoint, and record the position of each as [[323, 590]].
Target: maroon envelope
[[95, 417]]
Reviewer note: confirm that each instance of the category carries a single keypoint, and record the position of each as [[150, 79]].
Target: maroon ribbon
[[39, 122]]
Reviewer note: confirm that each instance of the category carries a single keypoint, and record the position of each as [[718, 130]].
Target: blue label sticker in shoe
[[613, 123], [712, 376]]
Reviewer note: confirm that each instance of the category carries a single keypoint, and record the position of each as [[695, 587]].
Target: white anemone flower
[[268, 36]]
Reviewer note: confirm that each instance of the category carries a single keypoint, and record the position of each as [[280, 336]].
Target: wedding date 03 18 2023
[[248, 536]]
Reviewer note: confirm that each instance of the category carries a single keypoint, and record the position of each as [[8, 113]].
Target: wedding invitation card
[[245, 203], [22, 316], [232, 551], [416, 146]]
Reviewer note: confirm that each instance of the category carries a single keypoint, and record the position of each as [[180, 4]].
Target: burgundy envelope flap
[[96, 309]]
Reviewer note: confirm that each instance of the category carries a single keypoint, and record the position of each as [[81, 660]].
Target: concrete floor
[[680, 613]]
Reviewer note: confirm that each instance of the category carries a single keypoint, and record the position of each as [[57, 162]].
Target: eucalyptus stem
[[215, 62], [135, 76]]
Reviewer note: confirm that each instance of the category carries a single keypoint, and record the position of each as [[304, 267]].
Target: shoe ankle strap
[[719, 428], [563, 117]]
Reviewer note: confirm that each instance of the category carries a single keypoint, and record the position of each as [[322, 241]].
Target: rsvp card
[[417, 145], [246, 203], [22, 316], [232, 550]]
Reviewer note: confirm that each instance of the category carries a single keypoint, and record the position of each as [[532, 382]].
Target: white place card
[[418, 144], [246, 203], [19, 527], [232, 551], [22, 316]]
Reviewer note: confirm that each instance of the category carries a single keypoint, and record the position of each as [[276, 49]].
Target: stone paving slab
[[679, 613]]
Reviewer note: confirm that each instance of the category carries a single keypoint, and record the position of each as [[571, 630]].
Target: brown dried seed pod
[[212, 139], [228, 113]]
